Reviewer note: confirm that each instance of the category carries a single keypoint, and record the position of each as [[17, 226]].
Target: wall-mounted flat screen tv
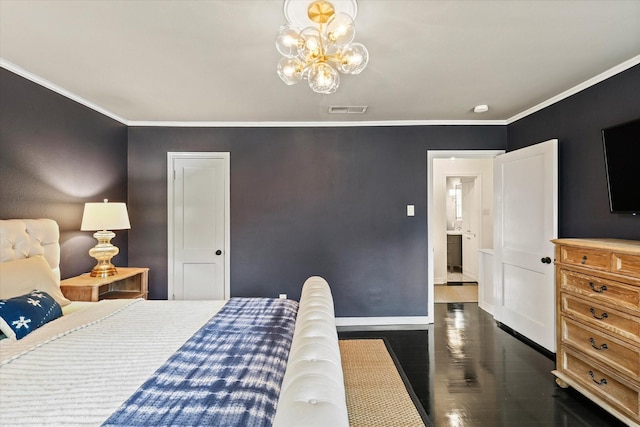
[[622, 161]]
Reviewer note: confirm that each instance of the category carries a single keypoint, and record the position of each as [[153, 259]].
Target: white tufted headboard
[[312, 391], [24, 238]]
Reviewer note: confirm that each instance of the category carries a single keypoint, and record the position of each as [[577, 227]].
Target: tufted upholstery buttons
[[24, 238], [312, 392]]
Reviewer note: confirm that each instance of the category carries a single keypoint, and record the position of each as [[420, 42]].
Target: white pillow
[[21, 276]]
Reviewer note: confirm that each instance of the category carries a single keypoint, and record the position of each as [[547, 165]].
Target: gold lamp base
[[103, 252], [104, 270]]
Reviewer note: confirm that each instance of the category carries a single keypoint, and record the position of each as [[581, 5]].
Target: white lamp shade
[[105, 216]]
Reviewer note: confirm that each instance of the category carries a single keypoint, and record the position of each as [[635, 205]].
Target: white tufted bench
[[312, 392], [24, 238]]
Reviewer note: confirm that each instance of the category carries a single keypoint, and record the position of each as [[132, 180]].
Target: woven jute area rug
[[376, 393]]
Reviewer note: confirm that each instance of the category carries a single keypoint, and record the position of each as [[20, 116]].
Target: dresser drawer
[[598, 289], [610, 351], [600, 316], [626, 264], [598, 319], [618, 392], [585, 257]]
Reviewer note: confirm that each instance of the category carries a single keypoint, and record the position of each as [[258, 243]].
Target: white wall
[[442, 168]]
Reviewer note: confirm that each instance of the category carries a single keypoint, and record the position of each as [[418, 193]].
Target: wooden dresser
[[598, 322]]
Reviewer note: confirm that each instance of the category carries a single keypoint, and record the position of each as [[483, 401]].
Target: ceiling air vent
[[347, 109]]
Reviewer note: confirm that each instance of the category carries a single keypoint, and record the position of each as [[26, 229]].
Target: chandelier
[[322, 48]]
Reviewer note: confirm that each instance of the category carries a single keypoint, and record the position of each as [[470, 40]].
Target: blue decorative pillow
[[24, 314]]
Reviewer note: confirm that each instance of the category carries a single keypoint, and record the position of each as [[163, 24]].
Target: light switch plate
[[411, 211]]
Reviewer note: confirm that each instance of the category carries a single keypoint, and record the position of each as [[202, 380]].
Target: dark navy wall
[[308, 201], [328, 201], [56, 154], [577, 122]]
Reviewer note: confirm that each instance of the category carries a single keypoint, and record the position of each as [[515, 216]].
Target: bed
[[245, 361]]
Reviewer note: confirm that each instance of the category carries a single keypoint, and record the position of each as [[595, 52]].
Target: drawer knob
[[593, 378], [603, 316], [599, 290], [584, 259], [599, 348]]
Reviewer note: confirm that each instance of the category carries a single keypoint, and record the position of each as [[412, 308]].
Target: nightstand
[[129, 283]]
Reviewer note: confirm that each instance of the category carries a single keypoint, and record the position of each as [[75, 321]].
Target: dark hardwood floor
[[468, 372]]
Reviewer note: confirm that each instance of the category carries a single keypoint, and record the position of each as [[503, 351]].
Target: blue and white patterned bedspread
[[228, 373]]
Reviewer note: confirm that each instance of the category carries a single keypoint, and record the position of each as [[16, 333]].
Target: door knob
[[218, 252], [546, 260]]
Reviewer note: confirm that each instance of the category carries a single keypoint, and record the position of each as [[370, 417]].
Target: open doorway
[[463, 210], [467, 167]]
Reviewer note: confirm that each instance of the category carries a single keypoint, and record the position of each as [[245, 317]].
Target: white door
[[198, 226], [526, 211], [470, 227]]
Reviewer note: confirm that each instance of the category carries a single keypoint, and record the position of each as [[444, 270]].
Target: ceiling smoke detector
[[482, 108], [347, 109]]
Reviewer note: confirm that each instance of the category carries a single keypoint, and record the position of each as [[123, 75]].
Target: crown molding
[[202, 124], [55, 88], [578, 88], [317, 124]]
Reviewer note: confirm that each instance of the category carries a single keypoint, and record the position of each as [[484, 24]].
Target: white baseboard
[[382, 321], [486, 307]]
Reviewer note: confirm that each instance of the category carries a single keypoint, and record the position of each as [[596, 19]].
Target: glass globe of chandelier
[[319, 52]]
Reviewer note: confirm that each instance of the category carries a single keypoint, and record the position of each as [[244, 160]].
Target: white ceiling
[[215, 61]]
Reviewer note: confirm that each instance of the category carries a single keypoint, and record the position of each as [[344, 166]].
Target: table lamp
[[100, 217]]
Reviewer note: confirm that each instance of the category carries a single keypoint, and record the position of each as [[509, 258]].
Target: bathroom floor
[[457, 276], [464, 292], [459, 288]]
